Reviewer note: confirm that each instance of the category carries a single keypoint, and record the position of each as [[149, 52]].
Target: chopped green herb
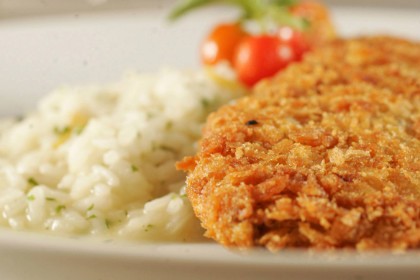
[[155, 146], [32, 181], [61, 130], [134, 168], [90, 207], [59, 208], [107, 223], [205, 103], [91, 217], [31, 197], [148, 227], [19, 118], [183, 195], [78, 129], [50, 199], [169, 125], [167, 148]]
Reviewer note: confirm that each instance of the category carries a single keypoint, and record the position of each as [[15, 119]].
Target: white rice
[[101, 160]]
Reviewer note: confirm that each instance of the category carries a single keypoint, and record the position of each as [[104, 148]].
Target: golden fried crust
[[325, 155]]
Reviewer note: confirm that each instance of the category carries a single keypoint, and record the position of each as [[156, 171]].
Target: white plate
[[28, 256], [40, 53]]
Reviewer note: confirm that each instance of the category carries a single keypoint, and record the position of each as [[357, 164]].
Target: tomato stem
[[262, 11]]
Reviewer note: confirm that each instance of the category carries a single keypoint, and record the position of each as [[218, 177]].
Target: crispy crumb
[[334, 161]]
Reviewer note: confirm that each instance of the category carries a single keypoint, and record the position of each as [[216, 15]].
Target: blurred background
[[14, 8], [48, 43]]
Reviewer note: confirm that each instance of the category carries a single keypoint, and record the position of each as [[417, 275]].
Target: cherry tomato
[[321, 28], [295, 39], [311, 10], [221, 43], [260, 57]]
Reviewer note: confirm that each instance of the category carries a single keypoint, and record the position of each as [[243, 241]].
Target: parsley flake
[[205, 103], [108, 223], [134, 168], [59, 208], [33, 182], [61, 130], [148, 227]]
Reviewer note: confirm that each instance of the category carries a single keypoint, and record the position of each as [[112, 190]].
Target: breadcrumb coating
[[324, 155]]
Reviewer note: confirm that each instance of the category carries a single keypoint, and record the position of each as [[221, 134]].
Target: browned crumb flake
[[331, 159]]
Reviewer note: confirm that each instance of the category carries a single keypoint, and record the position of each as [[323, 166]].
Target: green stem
[[258, 10], [187, 6]]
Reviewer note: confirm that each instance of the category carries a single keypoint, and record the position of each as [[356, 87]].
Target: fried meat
[[324, 155]]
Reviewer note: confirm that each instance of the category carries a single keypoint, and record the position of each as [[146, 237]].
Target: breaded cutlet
[[324, 155]]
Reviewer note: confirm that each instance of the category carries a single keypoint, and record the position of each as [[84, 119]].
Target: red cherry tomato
[[221, 43], [295, 39], [321, 29], [260, 57]]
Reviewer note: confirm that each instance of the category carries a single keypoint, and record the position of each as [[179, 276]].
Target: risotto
[[101, 160]]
